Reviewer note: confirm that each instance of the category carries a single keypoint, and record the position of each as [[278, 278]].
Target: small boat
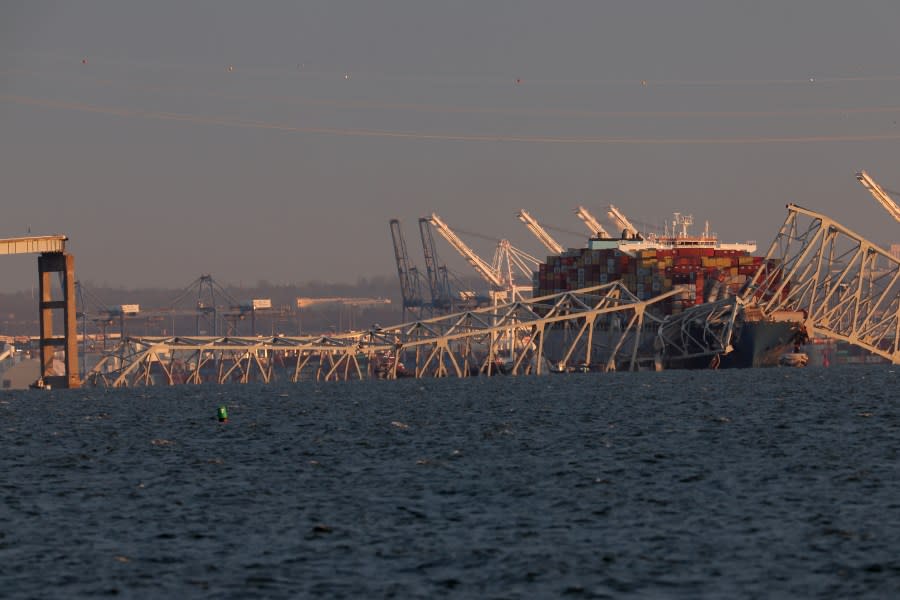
[[39, 385], [794, 359]]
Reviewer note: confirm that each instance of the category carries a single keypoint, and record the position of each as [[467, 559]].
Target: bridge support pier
[[63, 264]]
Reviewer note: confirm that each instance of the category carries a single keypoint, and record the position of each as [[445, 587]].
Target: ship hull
[[757, 344], [761, 344]]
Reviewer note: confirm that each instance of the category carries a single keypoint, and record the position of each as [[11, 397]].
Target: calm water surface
[[739, 484]]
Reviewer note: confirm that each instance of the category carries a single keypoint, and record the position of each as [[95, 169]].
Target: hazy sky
[[275, 140]]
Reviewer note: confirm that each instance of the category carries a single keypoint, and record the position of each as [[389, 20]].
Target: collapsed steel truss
[[702, 331], [836, 283], [522, 337], [150, 360], [516, 337], [846, 287]]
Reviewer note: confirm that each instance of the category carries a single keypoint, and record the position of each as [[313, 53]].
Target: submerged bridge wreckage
[[818, 279]]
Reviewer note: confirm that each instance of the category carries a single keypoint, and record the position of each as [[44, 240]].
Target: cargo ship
[[698, 268]]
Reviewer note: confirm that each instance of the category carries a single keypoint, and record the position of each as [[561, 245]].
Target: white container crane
[[540, 233], [508, 258], [592, 223], [499, 275], [483, 269], [879, 194], [621, 221]]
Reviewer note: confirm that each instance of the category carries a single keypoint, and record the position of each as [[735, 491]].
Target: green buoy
[[222, 414]]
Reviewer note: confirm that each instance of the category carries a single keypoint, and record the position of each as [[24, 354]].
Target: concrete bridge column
[[64, 264]]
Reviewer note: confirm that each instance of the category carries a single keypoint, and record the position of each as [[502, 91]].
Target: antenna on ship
[[684, 221]]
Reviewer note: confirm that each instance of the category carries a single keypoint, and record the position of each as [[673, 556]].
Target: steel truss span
[[533, 336], [846, 287], [139, 361]]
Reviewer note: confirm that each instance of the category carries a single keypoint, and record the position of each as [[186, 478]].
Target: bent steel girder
[[511, 337], [704, 330], [505, 338], [169, 361], [846, 287]]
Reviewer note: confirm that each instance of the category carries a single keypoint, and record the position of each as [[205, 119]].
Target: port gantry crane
[[540, 233], [438, 277], [485, 270], [592, 223], [410, 288], [206, 309], [498, 275], [506, 258], [622, 222], [879, 194]]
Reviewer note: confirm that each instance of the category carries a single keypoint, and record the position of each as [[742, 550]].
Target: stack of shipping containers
[[649, 272]]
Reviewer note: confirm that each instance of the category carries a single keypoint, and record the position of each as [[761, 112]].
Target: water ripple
[[739, 484]]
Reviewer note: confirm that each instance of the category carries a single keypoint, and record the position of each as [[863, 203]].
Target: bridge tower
[[53, 259], [62, 264]]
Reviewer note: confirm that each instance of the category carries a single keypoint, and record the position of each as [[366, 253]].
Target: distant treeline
[[19, 310]]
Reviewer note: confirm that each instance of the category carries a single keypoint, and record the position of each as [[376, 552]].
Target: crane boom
[[621, 221], [540, 233], [483, 269], [879, 194], [592, 223]]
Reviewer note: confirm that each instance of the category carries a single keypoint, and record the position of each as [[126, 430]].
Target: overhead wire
[[530, 112], [512, 111], [459, 137], [310, 67]]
